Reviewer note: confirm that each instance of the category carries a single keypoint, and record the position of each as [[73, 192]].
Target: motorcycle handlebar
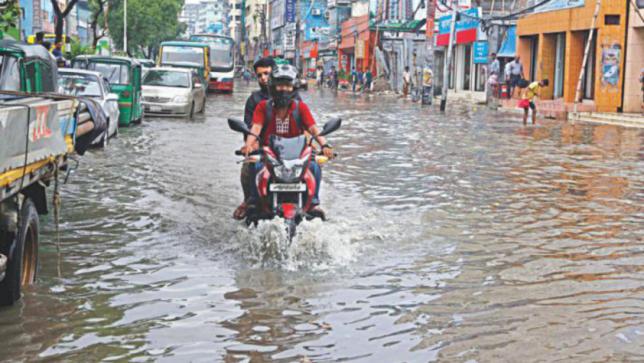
[[239, 153]]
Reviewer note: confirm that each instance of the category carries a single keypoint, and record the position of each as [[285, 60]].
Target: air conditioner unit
[[316, 12]]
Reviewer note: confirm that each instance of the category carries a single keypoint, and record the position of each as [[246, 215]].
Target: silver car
[[173, 92], [77, 82]]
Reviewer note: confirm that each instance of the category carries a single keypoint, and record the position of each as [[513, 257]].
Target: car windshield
[[167, 79], [174, 54], [79, 85], [115, 73], [9, 73]]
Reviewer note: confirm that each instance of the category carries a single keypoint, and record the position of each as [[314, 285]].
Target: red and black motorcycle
[[285, 184]]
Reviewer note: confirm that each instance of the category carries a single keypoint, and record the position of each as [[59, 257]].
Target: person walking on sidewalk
[[354, 79], [406, 82], [516, 74], [368, 78], [527, 99]]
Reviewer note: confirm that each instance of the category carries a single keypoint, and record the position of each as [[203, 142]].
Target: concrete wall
[[634, 63]]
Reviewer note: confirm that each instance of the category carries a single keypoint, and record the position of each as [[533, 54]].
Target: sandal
[[240, 212]]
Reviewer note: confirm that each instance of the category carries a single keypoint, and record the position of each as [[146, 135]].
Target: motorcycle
[[285, 184]]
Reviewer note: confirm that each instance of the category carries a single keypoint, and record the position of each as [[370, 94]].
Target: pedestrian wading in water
[[527, 99]]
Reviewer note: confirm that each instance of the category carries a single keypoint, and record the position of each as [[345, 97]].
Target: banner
[[466, 27], [480, 50]]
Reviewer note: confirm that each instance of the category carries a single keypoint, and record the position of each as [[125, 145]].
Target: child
[[527, 99]]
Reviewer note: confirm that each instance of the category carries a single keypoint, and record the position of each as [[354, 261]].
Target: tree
[[97, 8], [148, 24], [60, 17], [9, 16]]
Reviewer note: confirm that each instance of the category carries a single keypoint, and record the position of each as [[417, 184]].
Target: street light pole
[[125, 26], [448, 61]]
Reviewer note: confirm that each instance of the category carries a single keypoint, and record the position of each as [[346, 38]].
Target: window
[[30, 75], [9, 74], [79, 85], [611, 19], [167, 79], [46, 77], [115, 73]]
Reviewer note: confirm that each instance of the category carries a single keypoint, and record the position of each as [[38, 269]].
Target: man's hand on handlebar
[[328, 152]]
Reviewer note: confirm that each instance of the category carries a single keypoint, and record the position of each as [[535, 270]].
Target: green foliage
[[148, 23], [9, 17], [79, 49]]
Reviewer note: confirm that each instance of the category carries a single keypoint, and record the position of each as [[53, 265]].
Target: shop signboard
[[360, 49], [277, 14], [480, 51], [289, 11], [466, 27], [559, 5], [289, 36]]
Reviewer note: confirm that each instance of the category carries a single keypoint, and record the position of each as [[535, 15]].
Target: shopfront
[[356, 48], [467, 71], [552, 41]]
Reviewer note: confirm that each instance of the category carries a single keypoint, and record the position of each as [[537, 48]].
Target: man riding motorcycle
[[286, 116]]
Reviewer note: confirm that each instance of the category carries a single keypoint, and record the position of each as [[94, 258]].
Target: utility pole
[[448, 61], [586, 51], [428, 70], [297, 34], [125, 26]]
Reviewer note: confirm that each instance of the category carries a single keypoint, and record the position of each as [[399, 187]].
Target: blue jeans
[[313, 166]]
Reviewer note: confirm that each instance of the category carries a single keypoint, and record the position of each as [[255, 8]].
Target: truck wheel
[[23, 263]]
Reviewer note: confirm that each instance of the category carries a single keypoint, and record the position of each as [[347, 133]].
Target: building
[[634, 59], [257, 23], [189, 16], [551, 43], [336, 13], [356, 48], [212, 17], [235, 19], [315, 29]]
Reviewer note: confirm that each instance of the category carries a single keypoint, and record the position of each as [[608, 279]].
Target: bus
[[222, 60], [182, 54]]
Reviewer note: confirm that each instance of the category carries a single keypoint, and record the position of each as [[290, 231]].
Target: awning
[[509, 46], [411, 26]]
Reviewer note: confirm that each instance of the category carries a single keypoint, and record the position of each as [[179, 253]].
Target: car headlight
[[180, 99]]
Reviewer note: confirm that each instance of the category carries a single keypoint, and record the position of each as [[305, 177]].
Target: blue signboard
[[468, 20], [289, 11], [480, 52]]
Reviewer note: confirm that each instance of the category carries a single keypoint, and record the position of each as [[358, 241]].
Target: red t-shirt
[[284, 129]]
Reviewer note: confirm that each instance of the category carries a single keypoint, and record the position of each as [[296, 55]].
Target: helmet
[[284, 73]]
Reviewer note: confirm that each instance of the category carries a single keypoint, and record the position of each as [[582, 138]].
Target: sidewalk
[[559, 110]]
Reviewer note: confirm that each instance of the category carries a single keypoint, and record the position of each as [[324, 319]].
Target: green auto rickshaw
[[26, 68], [124, 76]]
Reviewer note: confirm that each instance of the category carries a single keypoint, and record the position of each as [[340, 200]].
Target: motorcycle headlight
[[289, 171], [180, 99]]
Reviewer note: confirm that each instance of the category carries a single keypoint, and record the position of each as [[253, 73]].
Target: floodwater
[[462, 237]]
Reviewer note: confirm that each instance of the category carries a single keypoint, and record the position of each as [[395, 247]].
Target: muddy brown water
[[462, 237]]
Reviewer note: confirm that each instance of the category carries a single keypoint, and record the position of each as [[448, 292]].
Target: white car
[[173, 92], [77, 82]]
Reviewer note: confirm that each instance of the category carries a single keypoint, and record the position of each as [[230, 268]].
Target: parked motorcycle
[[285, 184]]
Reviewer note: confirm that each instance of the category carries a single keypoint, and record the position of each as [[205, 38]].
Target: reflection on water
[[457, 237]]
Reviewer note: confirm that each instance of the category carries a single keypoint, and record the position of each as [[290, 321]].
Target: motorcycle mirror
[[331, 126], [239, 126]]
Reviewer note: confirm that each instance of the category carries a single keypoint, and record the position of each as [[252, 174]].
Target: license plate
[[155, 108], [287, 187]]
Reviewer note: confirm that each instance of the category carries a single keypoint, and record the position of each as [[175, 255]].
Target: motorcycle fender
[[289, 210], [262, 182], [309, 179]]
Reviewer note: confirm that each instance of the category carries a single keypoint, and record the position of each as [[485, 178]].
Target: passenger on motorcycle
[[287, 116], [263, 69]]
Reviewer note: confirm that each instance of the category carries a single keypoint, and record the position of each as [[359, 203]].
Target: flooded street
[[457, 237]]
